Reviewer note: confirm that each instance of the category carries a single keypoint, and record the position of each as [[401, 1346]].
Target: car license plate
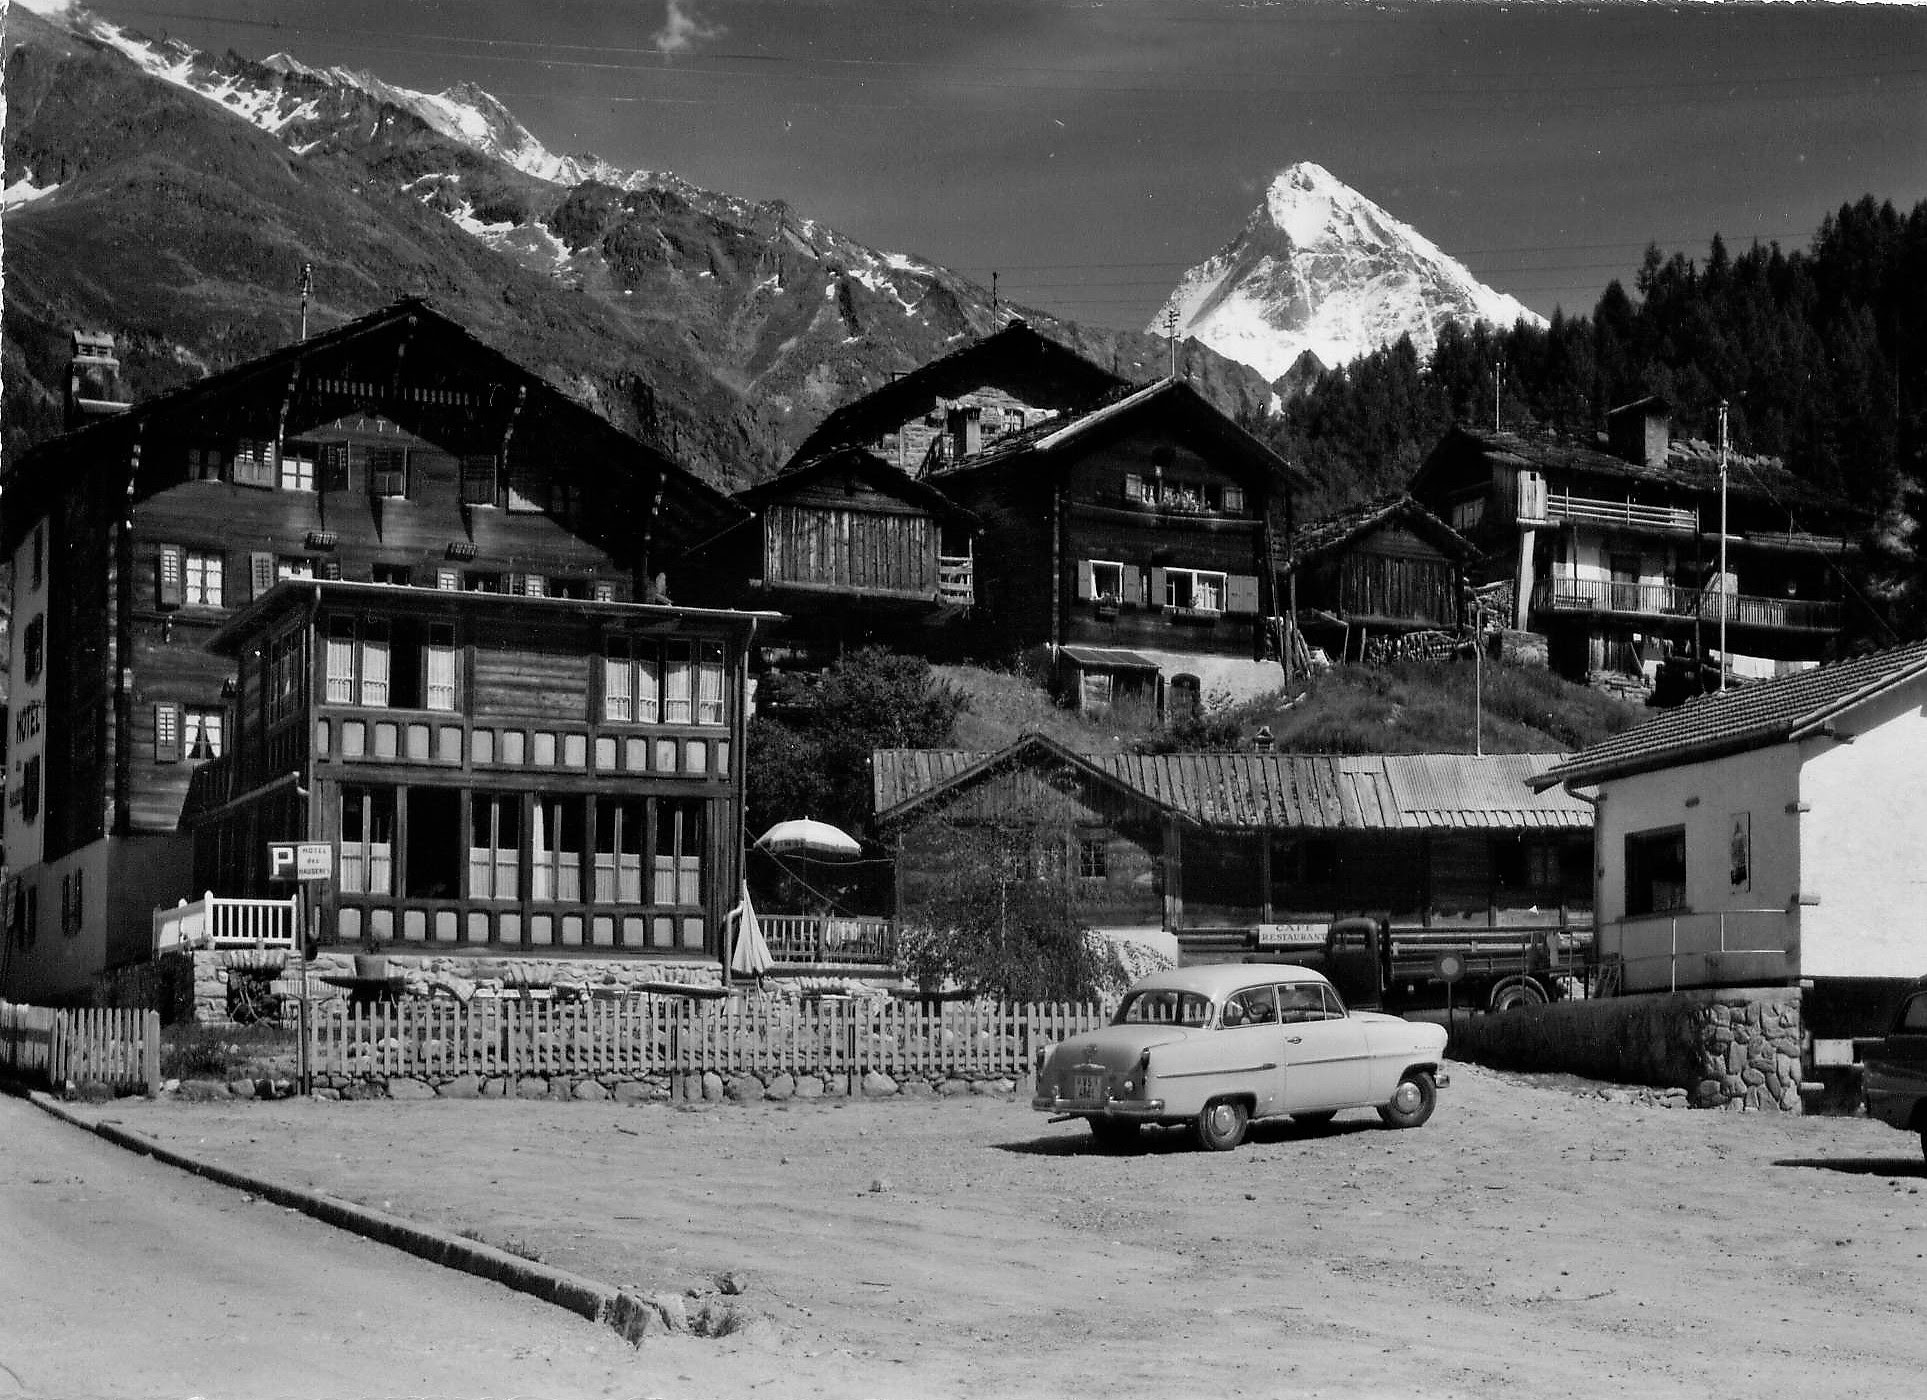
[[1087, 1088]]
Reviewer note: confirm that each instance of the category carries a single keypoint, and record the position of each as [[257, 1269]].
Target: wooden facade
[[852, 551], [1146, 524], [396, 449], [496, 773], [1386, 567], [1613, 550]]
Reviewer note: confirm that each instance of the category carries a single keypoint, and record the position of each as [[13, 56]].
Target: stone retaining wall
[[1737, 1048], [212, 970]]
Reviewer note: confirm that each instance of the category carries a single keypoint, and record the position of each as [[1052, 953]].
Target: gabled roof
[[1172, 398], [1340, 528], [1275, 791], [1017, 358], [869, 468], [1689, 467], [47, 471], [1752, 717]]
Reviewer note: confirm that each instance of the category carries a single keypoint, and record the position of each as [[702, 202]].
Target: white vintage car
[[1218, 1046]]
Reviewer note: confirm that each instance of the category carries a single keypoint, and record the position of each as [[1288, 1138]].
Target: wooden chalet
[[1613, 549], [1385, 568], [1143, 526], [396, 450], [960, 403], [497, 773], [851, 550], [1214, 846]]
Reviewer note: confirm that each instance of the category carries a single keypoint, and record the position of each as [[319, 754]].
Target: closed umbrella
[[751, 957], [807, 836]]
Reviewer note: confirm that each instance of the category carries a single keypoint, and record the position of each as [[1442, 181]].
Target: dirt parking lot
[[1535, 1239]]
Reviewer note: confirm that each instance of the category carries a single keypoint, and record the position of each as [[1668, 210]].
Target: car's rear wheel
[[1113, 1133], [1412, 1101], [1315, 1120], [1221, 1125]]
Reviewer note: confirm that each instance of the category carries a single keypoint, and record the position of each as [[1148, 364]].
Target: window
[[1234, 500], [621, 827], [253, 464], [1194, 589], [395, 575], [167, 733], [286, 656], [332, 472], [495, 849], [357, 662], [709, 683], [1136, 488], [448, 581], [1093, 858], [438, 668], [1655, 871], [35, 645], [605, 593], [676, 683], [201, 734], [1107, 581], [203, 580], [555, 850], [73, 911], [481, 581], [367, 840], [388, 471], [1013, 420], [39, 555], [534, 586], [1468, 513], [478, 480], [293, 568], [297, 467], [30, 790], [679, 851]]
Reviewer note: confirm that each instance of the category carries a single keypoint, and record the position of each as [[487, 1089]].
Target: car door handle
[[1293, 1039]]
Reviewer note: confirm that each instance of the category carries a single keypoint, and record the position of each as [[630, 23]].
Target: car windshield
[[1163, 1008]]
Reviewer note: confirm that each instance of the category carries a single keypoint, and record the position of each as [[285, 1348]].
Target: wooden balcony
[[831, 939], [1666, 600], [956, 580], [1564, 507], [211, 922]]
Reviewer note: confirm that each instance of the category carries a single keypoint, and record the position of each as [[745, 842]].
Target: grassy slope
[[1413, 707]]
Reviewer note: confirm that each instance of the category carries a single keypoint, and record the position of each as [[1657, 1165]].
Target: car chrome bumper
[[1110, 1108], [1442, 1079]]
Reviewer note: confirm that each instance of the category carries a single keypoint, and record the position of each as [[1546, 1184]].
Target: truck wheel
[[1221, 1125], [1520, 991], [1413, 1100]]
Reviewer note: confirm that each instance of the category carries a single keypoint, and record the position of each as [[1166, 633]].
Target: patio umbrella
[[751, 956], [807, 836]]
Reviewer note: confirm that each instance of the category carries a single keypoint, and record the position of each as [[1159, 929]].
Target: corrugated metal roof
[[1368, 792], [1748, 718]]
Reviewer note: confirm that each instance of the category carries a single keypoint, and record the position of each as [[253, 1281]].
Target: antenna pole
[[1725, 602], [1171, 339], [1498, 378], [307, 289], [993, 300]]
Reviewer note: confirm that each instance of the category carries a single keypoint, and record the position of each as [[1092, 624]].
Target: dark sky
[[1091, 151]]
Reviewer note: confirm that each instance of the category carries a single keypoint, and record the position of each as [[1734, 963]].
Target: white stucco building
[[1772, 834]]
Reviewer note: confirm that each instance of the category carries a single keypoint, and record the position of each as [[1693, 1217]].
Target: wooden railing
[[118, 1047], [212, 922], [1672, 600], [822, 938], [956, 579], [1562, 505], [640, 1036]]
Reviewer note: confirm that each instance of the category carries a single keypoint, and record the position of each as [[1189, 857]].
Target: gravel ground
[[1535, 1239]]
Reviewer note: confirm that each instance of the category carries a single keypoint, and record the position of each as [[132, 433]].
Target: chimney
[[1641, 431], [966, 430], [93, 379]]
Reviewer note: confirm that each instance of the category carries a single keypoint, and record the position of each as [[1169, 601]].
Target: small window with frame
[[388, 472]]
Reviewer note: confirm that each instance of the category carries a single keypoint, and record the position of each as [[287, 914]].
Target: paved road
[[122, 1277]]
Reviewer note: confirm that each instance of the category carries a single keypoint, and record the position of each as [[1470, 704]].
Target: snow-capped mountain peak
[[1319, 267]]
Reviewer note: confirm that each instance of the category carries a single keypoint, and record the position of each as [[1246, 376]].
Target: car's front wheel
[[1221, 1125], [1412, 1101], [1113, 1133]]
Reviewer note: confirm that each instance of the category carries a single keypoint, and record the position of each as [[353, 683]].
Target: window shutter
[[1156, 600], [260, 573], [332, 470], [1133, 487], [170, 573], [1241, 593], [1086, 579], [167, 733], [478, 480], [1234, 498]]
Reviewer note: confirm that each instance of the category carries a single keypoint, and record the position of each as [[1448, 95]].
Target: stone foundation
[[1734, 1048], [215, 970]]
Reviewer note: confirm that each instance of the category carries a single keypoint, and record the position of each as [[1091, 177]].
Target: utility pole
[[307, 288], [1724, 603], [993, 301], [1171, 339], [1498, 378]]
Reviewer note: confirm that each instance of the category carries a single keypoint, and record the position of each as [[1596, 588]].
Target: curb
[[630, 1316]]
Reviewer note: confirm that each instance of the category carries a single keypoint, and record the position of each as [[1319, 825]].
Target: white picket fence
[[115, 1046]]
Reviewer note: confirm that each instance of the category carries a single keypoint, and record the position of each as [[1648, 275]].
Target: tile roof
[[1368, 792], [1751, 717]]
